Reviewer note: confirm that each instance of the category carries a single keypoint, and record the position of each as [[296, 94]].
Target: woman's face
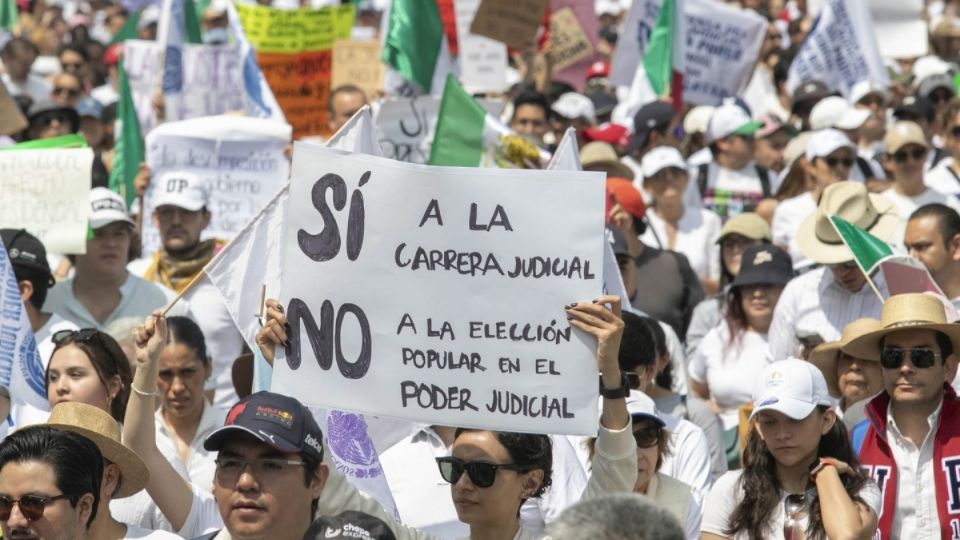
[[793, 442], [731, 249], [667, 185], [758, 302], [858, 379], [181, 380], [647, 433], [833, 168], [499, 502], [72, 377]]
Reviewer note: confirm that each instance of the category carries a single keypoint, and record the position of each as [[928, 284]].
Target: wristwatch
[[616, 393]]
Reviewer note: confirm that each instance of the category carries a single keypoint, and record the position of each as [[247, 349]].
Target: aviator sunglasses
[[31, 506], [920, 357]]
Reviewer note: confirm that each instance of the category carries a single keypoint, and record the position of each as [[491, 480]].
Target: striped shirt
[[815, 302]]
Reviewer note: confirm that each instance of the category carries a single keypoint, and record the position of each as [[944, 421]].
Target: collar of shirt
[[73, 303], [931, 422]]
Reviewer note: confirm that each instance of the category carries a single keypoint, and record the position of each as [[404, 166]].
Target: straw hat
[[850, 201], [915, 311], [98, 426], [825, 355], [602, 155]]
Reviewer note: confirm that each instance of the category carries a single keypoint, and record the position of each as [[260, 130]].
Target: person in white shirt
[[834, 112], [906, 150], [944, 177], [102, 290], [691, 231], [872, 97], [732, 183], [830, 156], [815, 306], [800, 476], [18, 56]]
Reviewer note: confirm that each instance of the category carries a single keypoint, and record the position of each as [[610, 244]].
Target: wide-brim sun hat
[[601, 154], [826, 355], [101, 428], [850, 201], [914, 311]]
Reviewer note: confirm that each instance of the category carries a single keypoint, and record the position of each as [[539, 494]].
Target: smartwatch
[[616, 393]]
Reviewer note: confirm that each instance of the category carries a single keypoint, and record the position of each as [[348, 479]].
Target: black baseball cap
[[275, 420], [914, 108], [26, 251], [656, 115], [809, 91], [764, 264], [351, 525]]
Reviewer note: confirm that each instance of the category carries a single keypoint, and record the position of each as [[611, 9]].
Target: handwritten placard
[[513, 22], [446, 309], [358, 63], [272, 30], [568, 42], [483, 61], [47, 192]]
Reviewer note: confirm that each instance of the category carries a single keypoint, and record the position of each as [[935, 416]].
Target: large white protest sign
[[240, 160], [483, 61], [448, 308], [212, 81], [723, 43], [404, 124], [21, 368], [47, 193], [840, 50]]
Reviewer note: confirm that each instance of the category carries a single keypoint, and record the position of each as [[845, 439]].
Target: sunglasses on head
[[902, 155], [920, 357], [82, 335], [481, 474], [31, 506], [833, 162]]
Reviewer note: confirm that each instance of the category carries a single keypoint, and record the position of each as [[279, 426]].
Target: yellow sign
[[272, 30]]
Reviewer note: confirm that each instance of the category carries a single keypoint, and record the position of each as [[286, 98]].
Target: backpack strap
[[865, 169], [764, 176], [702, 173]]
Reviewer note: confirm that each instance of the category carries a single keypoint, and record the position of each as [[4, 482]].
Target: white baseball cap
[[824, 142], [730, 119], [660, 158], [181, 189], [792, 387], [106, 207], [864, 88], [835, 112], [573, 105], [697, 119]]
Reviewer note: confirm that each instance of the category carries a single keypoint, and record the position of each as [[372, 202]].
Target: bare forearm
[[842, 517]]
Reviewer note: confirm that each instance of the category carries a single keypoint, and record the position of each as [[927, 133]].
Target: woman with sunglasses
[[800, 476], [89, 366]]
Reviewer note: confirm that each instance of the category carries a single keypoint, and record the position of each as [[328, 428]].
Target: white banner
[[240, 159], [899, 28], [840, 50], [483, 61], [403, 125], [723, 43], [446, 309], [47, 192], [21, 368]]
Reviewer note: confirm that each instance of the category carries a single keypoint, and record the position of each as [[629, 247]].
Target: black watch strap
[[616, 393]]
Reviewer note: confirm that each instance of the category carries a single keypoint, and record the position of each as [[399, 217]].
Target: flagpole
[[860, 266]]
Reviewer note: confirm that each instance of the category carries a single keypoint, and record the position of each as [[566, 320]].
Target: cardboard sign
[[483, 61], [513, 22], [477, 265], [575, 74], [11, 119], [47, 192], [240, 160], [358, 63], [568, 42], [404, 124]]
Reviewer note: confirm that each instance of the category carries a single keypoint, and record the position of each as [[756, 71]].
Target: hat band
[[912, 322], [876, 218]]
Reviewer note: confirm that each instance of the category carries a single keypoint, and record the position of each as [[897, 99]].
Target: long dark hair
[[108, 361], [735, 316], [761, 489]]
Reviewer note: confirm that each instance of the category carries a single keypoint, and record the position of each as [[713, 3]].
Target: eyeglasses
[[72, 92], [920, 357], [647, 437], [48, 119], [941, 97], [736, 241], [917, 154], [833, 162], [31, 506], [265, 469], [481, 474]]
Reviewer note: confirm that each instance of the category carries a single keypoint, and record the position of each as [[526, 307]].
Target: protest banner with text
[[574, 33], [483, 61], [476, 265], [295, 53], [357, 62], [47, 192], [512, 22], [239, 159], [723, 43]]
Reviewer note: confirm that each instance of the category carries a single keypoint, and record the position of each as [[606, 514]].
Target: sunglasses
[[83, 335], [48, 119], [647, 437], [849, 265], [917, 154], [833, 162], [72, 92], [920, 357], [31, 506], [481, 474]]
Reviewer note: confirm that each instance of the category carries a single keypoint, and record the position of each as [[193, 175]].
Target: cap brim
[[750, 128], [190, 206], [99, 223], [645, 416], [823, 253], [792, 408], [215, 441]]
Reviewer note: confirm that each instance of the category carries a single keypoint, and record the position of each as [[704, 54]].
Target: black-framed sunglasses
[[833, 162], [82, 335], [920, 357], [481, 474], [31, 506], [647, 437], [917, 154]]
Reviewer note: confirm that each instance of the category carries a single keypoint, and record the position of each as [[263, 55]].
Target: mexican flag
[[128, 151], [665, 58], [867, 249], [415, 47], [467, 136], [9, 14]]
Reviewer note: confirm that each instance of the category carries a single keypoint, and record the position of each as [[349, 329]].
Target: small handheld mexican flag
[[415, 46], [665, 58]]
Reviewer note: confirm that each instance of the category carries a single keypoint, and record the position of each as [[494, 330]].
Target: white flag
[[258, 97], [21, 369]]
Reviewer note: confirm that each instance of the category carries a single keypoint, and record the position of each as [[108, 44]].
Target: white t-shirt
[[941, 178], [35, 87], [105, 94], [787, 218], [906, 206], [139, 533], [729, 369], [697, 233], [726, 494], [729, 192]]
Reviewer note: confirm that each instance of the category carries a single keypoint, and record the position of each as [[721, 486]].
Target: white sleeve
[[204, 516], [694, 516], [691, 457], [569, 481], [782, 336], [678, 359], [778, 228], [870, 493], [720, 504], [714, 227], [614, 463]]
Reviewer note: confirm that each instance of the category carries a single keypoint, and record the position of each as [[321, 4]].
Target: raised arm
[[843, 518]]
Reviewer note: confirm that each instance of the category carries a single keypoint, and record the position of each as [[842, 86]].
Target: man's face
[[18, 65], [345, 105], [530, 120], [60, 521], [107, 251], [67, 89], [848, 276], [769, 150], [925, 243], [179, 228], [50, 124], [833, 168], [908, 384], [258, 505], [952, 137]]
